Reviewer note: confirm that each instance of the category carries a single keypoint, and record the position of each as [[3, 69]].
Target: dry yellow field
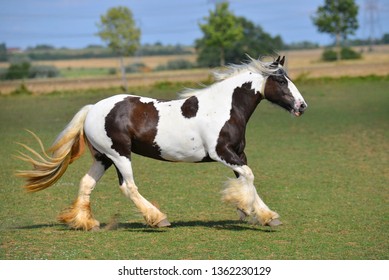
[[41, 86], [149, 61], [307, 62], [304, 62]]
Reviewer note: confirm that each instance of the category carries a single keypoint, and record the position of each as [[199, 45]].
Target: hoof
[[242, 214], [274, 223], [163, 223], [95, 228]]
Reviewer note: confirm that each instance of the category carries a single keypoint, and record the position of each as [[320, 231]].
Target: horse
[[204, 125]]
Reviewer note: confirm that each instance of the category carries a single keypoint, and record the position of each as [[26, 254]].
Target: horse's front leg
[[242, 193]]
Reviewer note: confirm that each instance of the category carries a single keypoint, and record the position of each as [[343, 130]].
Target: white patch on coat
[[296, 94], [190, 140]]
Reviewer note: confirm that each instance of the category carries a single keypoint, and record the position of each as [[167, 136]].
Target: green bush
[[135, 67], [3, 73], [43, 71], [329, 55], [18, 70], [349, 53], [21, 90], [177, 64], [24, 69], [345, 53], [112, 71]]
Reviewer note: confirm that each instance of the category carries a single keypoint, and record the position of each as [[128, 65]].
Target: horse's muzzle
[[300, 109]]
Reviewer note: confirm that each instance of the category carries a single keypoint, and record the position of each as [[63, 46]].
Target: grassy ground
[[84, 72], [325, 173]]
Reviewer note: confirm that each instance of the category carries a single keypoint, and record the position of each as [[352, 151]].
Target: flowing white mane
[[254, 65], [264, 68]]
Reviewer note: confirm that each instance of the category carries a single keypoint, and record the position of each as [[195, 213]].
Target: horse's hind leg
[[151, 214], [79, 215]]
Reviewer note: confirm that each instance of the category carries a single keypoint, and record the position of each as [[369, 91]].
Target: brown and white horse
[[206, 125]]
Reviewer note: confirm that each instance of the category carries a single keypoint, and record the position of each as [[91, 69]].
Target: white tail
[[47, 169]]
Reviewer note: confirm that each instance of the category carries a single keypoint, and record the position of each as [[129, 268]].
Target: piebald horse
[[205, 125]]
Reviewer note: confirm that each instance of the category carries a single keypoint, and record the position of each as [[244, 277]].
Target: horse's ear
[[275, 63], [282, 61]]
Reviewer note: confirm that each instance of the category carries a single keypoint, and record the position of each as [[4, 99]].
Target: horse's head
[[280, 90]]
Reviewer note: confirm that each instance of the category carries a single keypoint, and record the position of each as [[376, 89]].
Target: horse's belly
[[184, 150], [184, 139]]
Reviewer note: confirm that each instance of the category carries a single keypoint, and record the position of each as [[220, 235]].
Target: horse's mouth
[[299, 110], [297, 113]]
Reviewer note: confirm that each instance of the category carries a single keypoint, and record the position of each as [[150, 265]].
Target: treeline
[[384, 40], [44, 52], [48, 52]]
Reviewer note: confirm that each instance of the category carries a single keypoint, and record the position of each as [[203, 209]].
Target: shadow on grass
[[231, 225], [53, 227]]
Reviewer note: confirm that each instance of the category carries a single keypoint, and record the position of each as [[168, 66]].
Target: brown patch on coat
[[190, 107], [132, 127], [231, 141]]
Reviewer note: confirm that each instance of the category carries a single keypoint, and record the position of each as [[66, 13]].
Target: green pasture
[[71, 72], [326, 174]]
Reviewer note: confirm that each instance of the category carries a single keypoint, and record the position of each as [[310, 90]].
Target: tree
[[338, 18], [18, 70], [254, 42], [117, 28], [221, 29], [3, 52], [385, 38], [41, 47]]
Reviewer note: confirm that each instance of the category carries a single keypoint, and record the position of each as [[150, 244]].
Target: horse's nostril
[[302, 107]]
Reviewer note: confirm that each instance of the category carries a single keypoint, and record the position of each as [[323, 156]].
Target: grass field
[[326, 174]]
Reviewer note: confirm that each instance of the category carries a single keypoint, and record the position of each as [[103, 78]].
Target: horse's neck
[[245, 76], [245, 92]]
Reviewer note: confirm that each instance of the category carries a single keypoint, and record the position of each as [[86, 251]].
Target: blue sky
[[72, 23]]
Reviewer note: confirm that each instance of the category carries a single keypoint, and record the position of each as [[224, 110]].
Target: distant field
[[150, 61], [326, 174], [307, 62], [93, 73]]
